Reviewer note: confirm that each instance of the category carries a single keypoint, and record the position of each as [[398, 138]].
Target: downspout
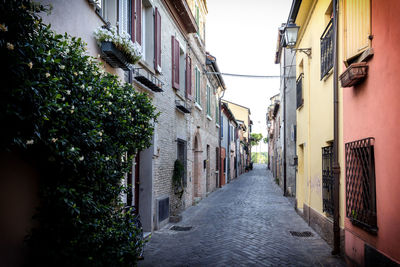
[[220, 136], [284, 122], [336, 166]]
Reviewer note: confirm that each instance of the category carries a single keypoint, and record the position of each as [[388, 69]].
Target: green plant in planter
[[177, 178], [122, 41], [79, 127]]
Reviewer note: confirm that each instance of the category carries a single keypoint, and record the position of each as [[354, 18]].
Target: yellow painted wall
[[242, 114], [202, 4], [315, 118]]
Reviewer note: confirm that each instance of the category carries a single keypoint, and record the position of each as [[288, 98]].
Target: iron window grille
[[299, 91], [360, 184], [327, 50], [327, 180]]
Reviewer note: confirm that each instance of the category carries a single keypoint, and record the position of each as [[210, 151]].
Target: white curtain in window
[[123, 16]]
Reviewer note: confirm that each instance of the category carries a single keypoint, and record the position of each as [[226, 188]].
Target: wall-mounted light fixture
[[290, 33]]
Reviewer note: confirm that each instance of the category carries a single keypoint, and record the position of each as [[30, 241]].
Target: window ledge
[[144, 64], [178, 94], [198, 106], [209, 118]]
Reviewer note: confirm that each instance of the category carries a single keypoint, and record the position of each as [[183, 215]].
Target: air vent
[[180, 228], [301, 234]]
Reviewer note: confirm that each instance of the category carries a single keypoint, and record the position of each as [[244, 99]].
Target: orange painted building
[[371, 133]]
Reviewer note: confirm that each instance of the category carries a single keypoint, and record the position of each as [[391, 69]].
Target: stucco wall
[[371, 110]]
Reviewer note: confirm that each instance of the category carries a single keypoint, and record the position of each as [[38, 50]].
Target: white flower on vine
[[72, 149], [29, 142], [107, 158], [62, 67], [30, 65], [81, 158], [47, 75], [10, 46], [54, 140], [68, 92]]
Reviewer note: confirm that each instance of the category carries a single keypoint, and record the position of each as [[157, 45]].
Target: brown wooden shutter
[[175, 62], [188, 77], [138, 17], [132, 19], [157, 40]]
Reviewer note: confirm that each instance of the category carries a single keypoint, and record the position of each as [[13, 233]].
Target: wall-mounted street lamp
[[290, 32]]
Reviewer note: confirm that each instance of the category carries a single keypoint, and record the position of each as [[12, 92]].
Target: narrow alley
[[246, 223]]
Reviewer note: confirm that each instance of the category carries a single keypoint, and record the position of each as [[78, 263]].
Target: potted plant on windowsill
[[354, 74], [117, 49]]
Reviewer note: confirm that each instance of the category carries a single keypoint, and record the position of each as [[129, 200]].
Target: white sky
[[242, 35]]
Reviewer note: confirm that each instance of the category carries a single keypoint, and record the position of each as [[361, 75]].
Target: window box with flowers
[[117, 49]]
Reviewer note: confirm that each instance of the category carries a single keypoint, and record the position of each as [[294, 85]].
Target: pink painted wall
[[372, 109]]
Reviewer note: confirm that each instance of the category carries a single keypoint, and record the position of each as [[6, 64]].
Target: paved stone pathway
[[245, 223]]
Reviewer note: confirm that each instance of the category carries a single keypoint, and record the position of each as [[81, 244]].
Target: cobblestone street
[[245, 223]]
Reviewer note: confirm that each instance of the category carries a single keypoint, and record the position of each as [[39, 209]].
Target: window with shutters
[[157, 40], [182, 71], [127, 20], [197, 85], [107, 9], [147, 32], [216, 111], [175, 56], [188, 77], [208, 101], [357, 24]]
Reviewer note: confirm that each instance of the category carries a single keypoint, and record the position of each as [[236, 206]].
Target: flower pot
[[354, 74], [111, 54]]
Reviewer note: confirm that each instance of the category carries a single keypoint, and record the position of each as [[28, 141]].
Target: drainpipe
[[336, 166], [284, 122], [219, 139]]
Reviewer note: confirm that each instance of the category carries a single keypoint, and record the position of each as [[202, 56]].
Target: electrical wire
[[244, 75]]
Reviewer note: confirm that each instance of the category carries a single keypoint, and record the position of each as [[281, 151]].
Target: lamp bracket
[[306, 51]]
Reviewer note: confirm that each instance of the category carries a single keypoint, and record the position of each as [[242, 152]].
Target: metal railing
[[299, 91], [327, 50], [327, 180], [148, 79], [360, 184]]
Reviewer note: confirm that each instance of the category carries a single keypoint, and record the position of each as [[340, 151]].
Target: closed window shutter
[[357, 27], [132, 19], [123, 16], [138, 18], [188, 77], [175, 62], [157, 41]]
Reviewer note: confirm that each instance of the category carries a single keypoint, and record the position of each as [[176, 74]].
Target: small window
[[208, 100], [216, 111], [197, 86]]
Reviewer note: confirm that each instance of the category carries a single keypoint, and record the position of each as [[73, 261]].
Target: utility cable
[[244, 75]]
